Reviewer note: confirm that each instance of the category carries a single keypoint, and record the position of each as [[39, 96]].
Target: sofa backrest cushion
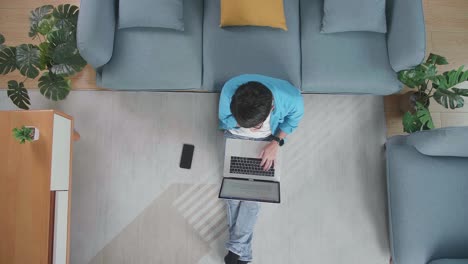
[[448, 142], [354, 15], [449, 261], [151, 13]]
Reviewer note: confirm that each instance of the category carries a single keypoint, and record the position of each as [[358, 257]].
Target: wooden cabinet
[[35, 188]]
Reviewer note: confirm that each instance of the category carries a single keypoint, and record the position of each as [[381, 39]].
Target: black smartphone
[[187, 156]]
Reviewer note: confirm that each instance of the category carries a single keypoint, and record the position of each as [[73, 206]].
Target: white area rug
[[132, 204]]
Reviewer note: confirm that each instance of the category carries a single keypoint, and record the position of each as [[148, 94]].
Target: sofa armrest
[[406, 37], [442, 142], [96, 29], [449, 261]]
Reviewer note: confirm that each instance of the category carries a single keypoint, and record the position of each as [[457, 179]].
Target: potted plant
[[428, 83], [26, 133], [54, 58]]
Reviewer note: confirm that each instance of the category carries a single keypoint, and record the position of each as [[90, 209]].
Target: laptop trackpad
[[244, 189]]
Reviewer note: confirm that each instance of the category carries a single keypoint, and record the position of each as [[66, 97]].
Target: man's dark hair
[[251, 104]]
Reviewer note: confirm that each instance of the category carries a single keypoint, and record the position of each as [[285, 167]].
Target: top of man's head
[[251, 104]]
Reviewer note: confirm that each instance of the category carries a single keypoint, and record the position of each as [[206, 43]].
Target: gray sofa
[[427, 177], [204, 56]]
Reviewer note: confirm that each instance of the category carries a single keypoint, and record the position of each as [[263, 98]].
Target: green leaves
[[411, 123], [18, 94], [422, 73], [7, 57], [36, 16], [447, 98], [46, 19], [2, 40], [411, 78], [67, 60], [418, 76], [23, 134], [54, 87], [66, 17], [59, 37], [450, 78], [436, 59], [443, 86], [7, 60], [421, 120], [462, 92], [45, 58], [445, 93], [46, 26], [57, 54], [28, 60]]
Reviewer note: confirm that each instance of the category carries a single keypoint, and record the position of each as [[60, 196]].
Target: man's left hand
[[268, 155]]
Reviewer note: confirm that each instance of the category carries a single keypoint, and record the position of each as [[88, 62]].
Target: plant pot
[[34, 133], [408, 102]]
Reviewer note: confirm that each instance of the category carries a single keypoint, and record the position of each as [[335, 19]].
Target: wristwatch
[[279, 140]]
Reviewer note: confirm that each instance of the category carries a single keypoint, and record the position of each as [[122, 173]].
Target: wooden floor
[[447, 35]]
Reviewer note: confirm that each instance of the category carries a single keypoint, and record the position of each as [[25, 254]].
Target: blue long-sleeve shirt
[[288, 102]]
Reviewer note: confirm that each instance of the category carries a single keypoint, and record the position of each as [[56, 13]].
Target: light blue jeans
[[241, 216]]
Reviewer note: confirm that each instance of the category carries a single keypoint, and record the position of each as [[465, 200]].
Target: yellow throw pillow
[[266, 13]]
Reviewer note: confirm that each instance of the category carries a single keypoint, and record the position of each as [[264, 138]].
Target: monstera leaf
[[46, 26], [54, 87], [45, 58], [462, 92], [18, 94], [59, 37], [421, 120], [436, 59], [449, 79], [411, 123], [445, 93], [424, 116], [448, 98], [28, 60], [7, 60], [430, 70], [2, 40], [66, 17], [36, 17], [67, 60], [418, 76], [410, 78]]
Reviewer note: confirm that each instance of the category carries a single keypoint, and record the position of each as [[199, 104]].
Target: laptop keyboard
[[249, 166]]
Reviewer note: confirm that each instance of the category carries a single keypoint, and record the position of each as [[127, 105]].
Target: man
[[255, 107]]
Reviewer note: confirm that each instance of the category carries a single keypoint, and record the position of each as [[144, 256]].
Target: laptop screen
[[250, 190]]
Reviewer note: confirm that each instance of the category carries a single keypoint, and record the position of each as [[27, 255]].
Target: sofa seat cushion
[[231, 51], [427, 205], [156, 58], [349, 62]]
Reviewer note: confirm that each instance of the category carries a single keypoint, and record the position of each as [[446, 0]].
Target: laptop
[[244, 178]]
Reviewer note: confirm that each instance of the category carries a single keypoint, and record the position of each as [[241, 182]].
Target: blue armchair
[[427, 177]]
